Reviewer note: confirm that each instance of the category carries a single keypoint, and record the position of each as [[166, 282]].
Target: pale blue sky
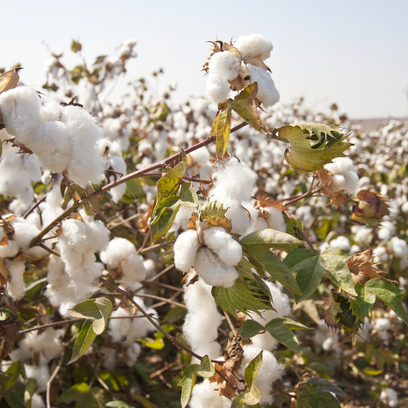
[[353, 53]]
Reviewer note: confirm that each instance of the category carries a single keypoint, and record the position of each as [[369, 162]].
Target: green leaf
[[316, 393], [252, 370], [282, 333], [187, 383], [14, 371], [14, 396], [388, 293], [250, 328], [275, 267], [84, 340], [104, 306], [365, 300], [298, 255], [221, 129], [206, 368], [245, 106], [162, 222], [134, 189], [309, 274], [243, 296], [270, 238], [98, 310], [334, 261], [30, 388], [188, 196], [144, 401]]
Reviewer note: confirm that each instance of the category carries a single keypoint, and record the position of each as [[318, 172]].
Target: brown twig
[[156, 246], [35, 206]]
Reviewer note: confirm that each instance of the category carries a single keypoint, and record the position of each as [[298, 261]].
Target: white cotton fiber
[[275, 220], [235, 180], [206, 395], [386, 230], [185, 249], [325, 336], [217, 89], [212, 270], [225, 65], [222, 243], [390, 397], [20, 111], [269, 372], [341, 242], [267, 92], [15, 286], [202, 320], [399, 247], [121, 253], [37, 401], [254, 45], [344, 175]]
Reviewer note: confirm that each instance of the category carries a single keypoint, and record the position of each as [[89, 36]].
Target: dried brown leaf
[[268, 202], [363, 268], [9, 79]]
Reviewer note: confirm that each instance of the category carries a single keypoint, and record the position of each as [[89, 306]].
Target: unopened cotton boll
[[212, 270]]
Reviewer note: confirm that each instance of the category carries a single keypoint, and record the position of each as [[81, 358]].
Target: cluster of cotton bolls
[[74, 277], [242, 63], [200, 330], [390, 397], [36, 350], [63, 138], [344, 173]]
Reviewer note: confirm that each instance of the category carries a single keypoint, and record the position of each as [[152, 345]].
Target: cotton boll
[[205, 395], [222, 243], [386, 230], [118, 328], [217, 89], [390, 397], [234, 179], [254, 45], [40, 373], [118, 165], [275, 220], [380, 255], [185, 249], [341, 242], [109, 358], [364, 236], [202, 320], [269, 372], [16, 285], [399, 247], [260, 224], [212, 270], [324, 336], [267, 92], [224, 65], [132, 353], [37, 401], [20, 111]]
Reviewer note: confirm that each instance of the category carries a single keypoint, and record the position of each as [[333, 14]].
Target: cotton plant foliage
[[290, 235]]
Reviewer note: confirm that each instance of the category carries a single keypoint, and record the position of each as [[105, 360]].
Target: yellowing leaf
[[312, 145], [221, 129]]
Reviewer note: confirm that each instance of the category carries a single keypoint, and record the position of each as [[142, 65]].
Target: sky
[[352, 53]]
